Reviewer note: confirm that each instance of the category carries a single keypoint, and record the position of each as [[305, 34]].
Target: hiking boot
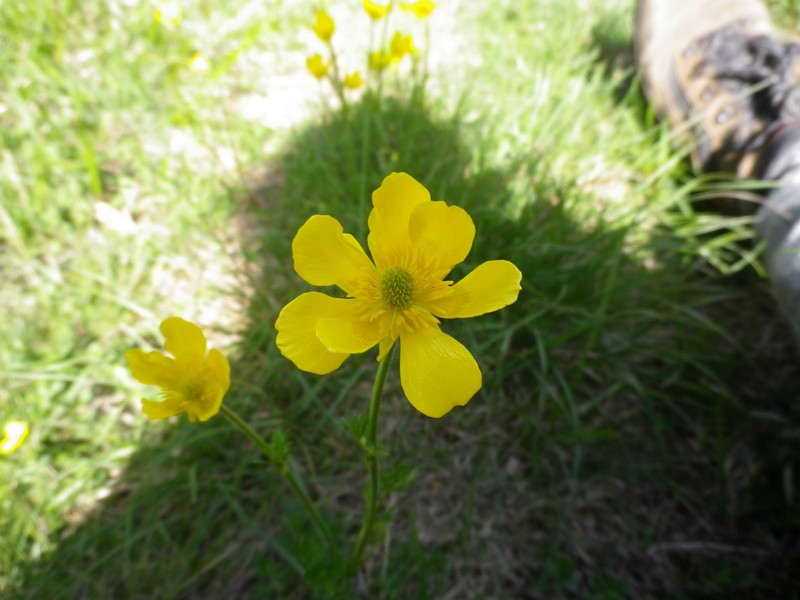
[[716, 70]]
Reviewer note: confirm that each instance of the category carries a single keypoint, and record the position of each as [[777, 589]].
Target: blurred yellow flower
[[379, 60], [324, 26], [317, 67], [168, 13], [353, 80], [199, 63], [376, 11], [193, 382], [402, 45], [401, 293], [14, 433], [421, 8]]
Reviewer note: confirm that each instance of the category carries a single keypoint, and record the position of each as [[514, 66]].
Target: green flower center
[[193, 389], [397, 288]]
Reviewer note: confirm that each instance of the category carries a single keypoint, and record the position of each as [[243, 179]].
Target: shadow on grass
[[631, 437]]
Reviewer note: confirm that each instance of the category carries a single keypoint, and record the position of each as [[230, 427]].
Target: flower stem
[[286, 472], [370, 447], [338, 86]]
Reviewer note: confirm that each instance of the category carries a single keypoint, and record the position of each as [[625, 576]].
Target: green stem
[[286, 472], [365, 142], [427, 56], [365, 135], [370, 446], [337, 80]]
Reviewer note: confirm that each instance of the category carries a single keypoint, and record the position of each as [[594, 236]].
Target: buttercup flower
[[379, 60], [376, 11], [324, 26], [317, 67], [14, 433], [353, 80], [402, 45], [193, 382], [400, 294], [199, 63], [168, 13], [421, 8]]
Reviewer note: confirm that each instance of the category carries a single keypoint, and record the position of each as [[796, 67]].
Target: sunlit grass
[[630, 437]]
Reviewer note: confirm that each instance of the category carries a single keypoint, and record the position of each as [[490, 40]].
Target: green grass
[[633, 437]]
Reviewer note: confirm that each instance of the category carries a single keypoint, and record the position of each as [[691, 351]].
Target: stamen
[[397, 288], [193, 389]]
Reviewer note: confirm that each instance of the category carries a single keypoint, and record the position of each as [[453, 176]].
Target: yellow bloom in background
[[324, 26], [402, 45], [317, 66], [421, 9], [353, 80], [14, 433], [379, 60], [401, 293], [168, 13], [199, 63], [193, 382], [376, 11]]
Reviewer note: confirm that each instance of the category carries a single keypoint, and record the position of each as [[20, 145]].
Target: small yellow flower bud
[[317, 67], [376, 11], [324, 26], [353, 80], [379, 60], [421, 9], [402, 45]]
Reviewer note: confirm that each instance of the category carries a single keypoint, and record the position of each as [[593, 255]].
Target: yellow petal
[[379, 60], [442, 234], [14, 433], [348, 334], [489, 287], [205, 407], [436, 371], [199, 63], [324, 26], [401, 45], [161, 410], [152, 368], [325, 255], [376, 11], [168, 13], [385, 346], [393, 202], [421, 9], [184, 340], [317, 66], [353, 80], [217, 370], [297, 336]]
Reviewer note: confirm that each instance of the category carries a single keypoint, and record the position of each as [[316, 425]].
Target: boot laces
[[760, 62]]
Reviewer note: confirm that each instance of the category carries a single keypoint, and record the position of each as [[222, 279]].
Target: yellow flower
[[353, 80], [376, 11], [317, 68], [414, 244], [168, 13], [324, 26], [14, 433], [199, 63], [379, 60], [402, 45], [421, 9], [193, 382]]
